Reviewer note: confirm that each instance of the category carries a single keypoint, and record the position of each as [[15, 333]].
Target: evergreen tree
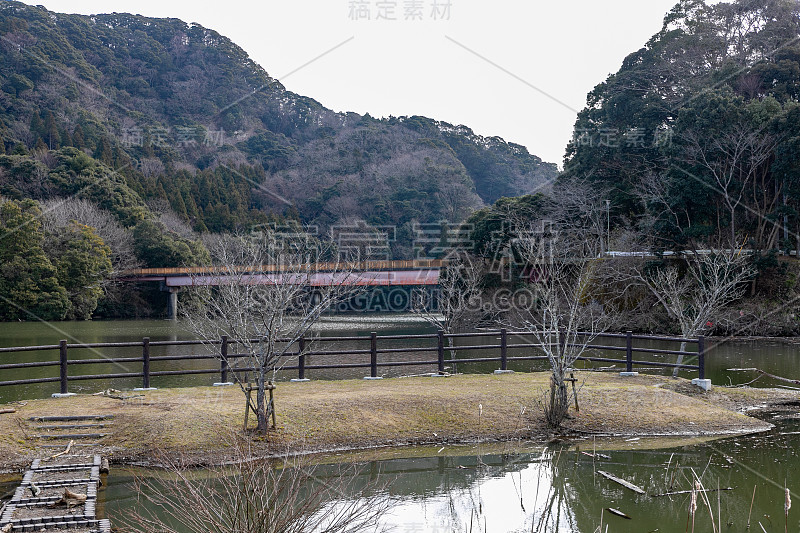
[[29, 287], [51, 135], [78, 140], [159, 248], [83, 261]]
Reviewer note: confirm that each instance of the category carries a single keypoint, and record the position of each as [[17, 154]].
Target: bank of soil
[[326, 415]]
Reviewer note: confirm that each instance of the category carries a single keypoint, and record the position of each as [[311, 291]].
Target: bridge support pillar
[[172, 308]]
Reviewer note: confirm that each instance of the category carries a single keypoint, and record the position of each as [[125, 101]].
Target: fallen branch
[[626, 484], [7, 411], [597, 455], [65, 452], [70, 499], [115, 394], [688, 492], [617, 512], [767, 374]]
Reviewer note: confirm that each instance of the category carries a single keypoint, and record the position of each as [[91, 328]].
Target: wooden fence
[[374, 355]]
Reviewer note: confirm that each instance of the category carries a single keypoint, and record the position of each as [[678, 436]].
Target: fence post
[[223, 351], [701, 356], [301, 363], [373, 356], [629, 351], [440, 350], [62, 356], [503, 349], [146, 363]]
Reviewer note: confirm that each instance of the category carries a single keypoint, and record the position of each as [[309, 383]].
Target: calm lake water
[[780, 358], [511, 488]]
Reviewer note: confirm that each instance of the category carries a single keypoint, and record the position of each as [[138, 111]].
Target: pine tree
[[104, 152], [78, 140], [51, 135]]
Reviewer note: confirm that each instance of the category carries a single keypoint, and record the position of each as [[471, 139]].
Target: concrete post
[[172, 309]]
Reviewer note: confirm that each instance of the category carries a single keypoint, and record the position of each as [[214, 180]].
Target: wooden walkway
[[59, 490]]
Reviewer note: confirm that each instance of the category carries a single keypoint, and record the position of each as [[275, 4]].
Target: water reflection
[[557, 488]]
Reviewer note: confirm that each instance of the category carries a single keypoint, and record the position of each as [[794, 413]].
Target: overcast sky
[[515, 69]]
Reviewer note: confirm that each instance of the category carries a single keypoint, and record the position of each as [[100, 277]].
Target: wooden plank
[[626, 484]]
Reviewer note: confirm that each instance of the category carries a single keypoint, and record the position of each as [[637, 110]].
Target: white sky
[[432, 67]]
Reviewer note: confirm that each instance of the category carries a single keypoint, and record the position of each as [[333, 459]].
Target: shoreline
[[356, 416]]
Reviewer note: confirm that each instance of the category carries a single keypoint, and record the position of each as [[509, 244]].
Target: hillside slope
[[188, 119]]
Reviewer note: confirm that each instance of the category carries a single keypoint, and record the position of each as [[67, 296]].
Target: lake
[[521, 487], [773, 356], [517, 486]]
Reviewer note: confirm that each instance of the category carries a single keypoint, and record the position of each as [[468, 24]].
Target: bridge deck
[[363, 273], [359, 266]]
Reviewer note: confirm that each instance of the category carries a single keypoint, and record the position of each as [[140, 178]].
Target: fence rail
[[298, 351]]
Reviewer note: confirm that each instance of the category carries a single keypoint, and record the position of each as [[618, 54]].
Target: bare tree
[[736, 161], [171, 220], [254, 495], [60, 212], [456, 305], [694, 290], [457, 201], [565, 317], [268, 295], [578, 208], [151, 166]]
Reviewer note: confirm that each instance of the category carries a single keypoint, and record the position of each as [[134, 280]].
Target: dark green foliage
[[79, 174], [17, 84], [83, 262], [493, 227], [496, 167], [159, 248], [29, 286]]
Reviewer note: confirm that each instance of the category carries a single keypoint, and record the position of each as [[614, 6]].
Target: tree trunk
[[451, 344], [556, 412], [680, 360], [261, 411]]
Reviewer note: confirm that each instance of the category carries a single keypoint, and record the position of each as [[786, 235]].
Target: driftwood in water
[[617, 512], [104, 468], [626, 484], [779, 378], [597, 455], [689, 492], [762, 373]]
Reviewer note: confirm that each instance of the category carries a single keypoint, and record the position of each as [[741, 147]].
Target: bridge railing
[[336, 266], [373, 352]]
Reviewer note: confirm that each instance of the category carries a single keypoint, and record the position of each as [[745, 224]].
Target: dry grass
[[325, 415]]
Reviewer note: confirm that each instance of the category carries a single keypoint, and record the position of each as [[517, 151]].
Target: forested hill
[[697, 137], [189, 121]]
